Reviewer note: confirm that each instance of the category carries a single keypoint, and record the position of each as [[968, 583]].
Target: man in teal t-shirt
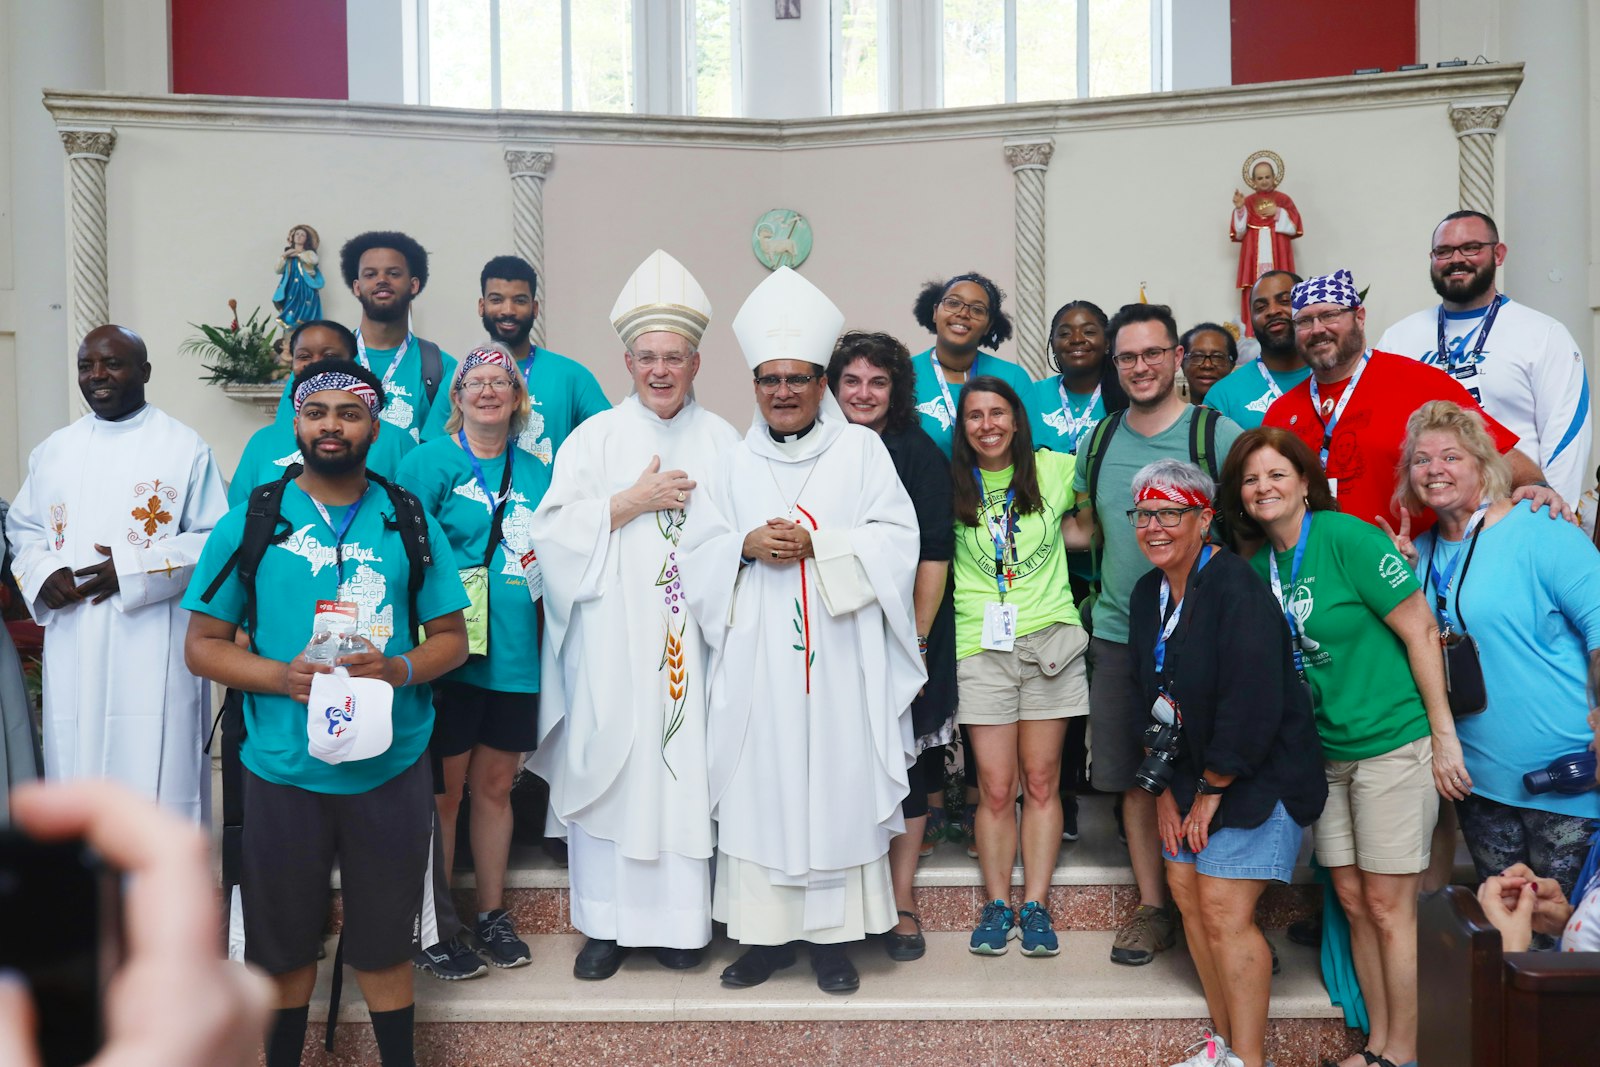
[[561, 392], [344, 557], [272, 449], [1246, 394]]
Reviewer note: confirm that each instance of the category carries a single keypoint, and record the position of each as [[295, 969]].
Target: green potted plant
[[242, 358]]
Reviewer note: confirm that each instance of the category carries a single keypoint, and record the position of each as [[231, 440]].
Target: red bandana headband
[[1174, 495]]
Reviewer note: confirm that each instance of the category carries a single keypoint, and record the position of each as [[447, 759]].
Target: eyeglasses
[[1149, 356], [672, 362], [1470, 250], [1166, 518], [769, 383], [954, 304], [1326, 319], [475, 386], [1219, 359]]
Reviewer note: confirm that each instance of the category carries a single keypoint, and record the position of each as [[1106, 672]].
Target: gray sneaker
[[1150, 931]]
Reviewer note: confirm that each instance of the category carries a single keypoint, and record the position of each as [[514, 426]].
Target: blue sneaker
[[1038, 936], [996, 926]]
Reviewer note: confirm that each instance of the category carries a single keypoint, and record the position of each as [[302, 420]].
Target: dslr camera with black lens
[[1155, 773]]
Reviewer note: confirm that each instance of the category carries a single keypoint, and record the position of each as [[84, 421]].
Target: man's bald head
[[113, 367]]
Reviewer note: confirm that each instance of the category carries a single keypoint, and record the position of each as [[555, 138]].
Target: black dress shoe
[[678, 959], [1307, 932], [757, 965], [598, 960], [903, 948], [835, 972]]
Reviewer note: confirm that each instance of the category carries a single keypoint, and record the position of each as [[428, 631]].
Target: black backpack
[[432, 370]]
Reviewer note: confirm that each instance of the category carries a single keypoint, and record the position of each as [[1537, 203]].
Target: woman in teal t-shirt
[[1020, 671], [484, 494], [1368, 646]]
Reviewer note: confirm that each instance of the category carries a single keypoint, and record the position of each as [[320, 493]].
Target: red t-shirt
[[1367, 439]]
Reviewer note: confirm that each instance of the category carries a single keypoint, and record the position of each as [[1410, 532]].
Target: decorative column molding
[[1028, 161], [1476, 127], [529, 166], [88, 151]]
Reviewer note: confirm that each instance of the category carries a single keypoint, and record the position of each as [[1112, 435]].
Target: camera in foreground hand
[[1155, 773]]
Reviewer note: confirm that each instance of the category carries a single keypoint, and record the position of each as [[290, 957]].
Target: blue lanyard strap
[[1440, 583], [338, 534], [1452, 364], [1076, 424], [1165, 632], [1333, 420], [1000, 533], [494, 499], [1286, 598], [944, 387], [526, 365], [394, 364]]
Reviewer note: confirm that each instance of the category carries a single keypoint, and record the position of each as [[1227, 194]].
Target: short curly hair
[[885, 353], [935, 291], [362, 243]]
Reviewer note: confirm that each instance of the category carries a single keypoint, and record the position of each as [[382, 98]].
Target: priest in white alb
[[622, 712], [798, 561], [106, 531]]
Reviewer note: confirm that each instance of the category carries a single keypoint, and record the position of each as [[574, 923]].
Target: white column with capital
[[88, 152], [1476, 127], [1028, 160], [529, 166]]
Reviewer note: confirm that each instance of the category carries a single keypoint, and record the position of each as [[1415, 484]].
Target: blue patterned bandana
[[484, 357], [1336, 288], [345, 383]]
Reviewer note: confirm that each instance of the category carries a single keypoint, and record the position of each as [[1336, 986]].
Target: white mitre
[[661, 296], [787, 318]]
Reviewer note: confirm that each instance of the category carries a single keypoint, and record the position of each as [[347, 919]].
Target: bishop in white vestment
[[106, 531], [622, 712], [798, 561]]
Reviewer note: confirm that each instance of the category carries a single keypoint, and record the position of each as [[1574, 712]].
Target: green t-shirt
[[1243, 396], [1122, 563], [1036, 560], [406, 404], [440, 473], [1351, 578], [561, 394], [294, 575], [272, 449]]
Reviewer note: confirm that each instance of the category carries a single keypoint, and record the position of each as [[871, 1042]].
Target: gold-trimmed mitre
[[661, 296]]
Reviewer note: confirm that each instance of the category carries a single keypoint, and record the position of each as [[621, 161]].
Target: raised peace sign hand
[[1402, 538]]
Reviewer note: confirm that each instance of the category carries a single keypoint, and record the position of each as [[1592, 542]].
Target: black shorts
[[382, 839], [466, 715], [925, 776]]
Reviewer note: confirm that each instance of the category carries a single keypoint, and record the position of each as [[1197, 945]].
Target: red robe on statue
[[1259, 222]]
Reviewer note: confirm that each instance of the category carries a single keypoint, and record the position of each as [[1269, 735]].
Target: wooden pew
[[1480, 1007]]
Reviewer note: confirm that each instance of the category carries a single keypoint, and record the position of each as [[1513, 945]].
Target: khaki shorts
[[1043, 677], [1380, 812]]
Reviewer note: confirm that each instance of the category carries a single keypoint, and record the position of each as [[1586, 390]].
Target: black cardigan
[[925, 473], [1245, 711]]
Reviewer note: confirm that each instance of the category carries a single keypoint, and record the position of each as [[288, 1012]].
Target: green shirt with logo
[[1350, 579]]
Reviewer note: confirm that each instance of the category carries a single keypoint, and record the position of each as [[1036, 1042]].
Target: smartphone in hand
[[60, 928]]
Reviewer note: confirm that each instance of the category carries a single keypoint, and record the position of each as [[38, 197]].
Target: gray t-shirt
[[1123, 563]]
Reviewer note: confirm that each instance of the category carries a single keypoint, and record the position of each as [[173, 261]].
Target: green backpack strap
[[1099, 438]]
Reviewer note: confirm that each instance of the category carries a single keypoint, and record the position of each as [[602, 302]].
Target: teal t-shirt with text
[[1059, 427], [406, 405], [294, 575], [938, 418], [272, 449], [1244, 395], [441, 475], [561, 394]]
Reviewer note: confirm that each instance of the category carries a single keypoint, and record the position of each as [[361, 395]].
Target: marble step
[[948, 1007]]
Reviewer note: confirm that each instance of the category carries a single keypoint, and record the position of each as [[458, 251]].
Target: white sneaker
[[1210, 1051]]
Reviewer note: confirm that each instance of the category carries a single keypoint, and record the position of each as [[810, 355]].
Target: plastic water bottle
[[331, 642], [1572, 773]]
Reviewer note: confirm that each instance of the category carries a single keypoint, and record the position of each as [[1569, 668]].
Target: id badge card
[[342, 616], [1164, 710], [534, 576], [999, 627]]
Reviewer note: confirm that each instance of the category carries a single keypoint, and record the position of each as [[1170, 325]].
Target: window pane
[[974, 52], [1119, 47], [1047, 49], [530, 54], [602, 55], [713, 46], [458, 53], [858, 63]]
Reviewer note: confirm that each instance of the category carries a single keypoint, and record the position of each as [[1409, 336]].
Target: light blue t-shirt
[[1059, 427], [406, 405], [1244, 395], [441, 475], [561, 394], [272, 449], [1531, 600], [293, 576], [937, 417]]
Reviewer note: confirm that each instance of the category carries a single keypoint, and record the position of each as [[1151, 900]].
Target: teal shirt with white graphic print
[[406, 405], [1244, 396], [561, 394], [294, 575], [441, 475], [1056, 427], [938, 418], [272, 449]]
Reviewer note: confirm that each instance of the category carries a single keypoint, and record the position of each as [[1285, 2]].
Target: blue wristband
[[407, 661]]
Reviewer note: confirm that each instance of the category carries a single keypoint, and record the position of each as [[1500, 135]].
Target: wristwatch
[[1202, 787]]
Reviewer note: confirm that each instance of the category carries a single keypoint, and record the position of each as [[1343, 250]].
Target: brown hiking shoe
[[1150, 930]]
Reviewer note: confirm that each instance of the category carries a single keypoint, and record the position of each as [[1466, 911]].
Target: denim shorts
[[1262, 852]]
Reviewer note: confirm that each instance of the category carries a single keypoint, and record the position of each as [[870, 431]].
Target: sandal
[[1372, 1058], [903, 948]]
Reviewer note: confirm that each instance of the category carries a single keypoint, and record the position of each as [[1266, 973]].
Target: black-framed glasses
[[1149, 356], [1326, 319], [1471, 250], [1215, 359], [1166, 518], [953, 304], [769, 383]]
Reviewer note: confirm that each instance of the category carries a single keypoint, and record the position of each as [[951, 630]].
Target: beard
[[1263, 334], [385, 313], [1345, 352], [338, 465], [491, 326], [1464, 290]]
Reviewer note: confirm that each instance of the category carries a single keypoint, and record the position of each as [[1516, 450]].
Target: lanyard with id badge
[[1000, 619], [1165, 709], [475, 580], [1286, 603]]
